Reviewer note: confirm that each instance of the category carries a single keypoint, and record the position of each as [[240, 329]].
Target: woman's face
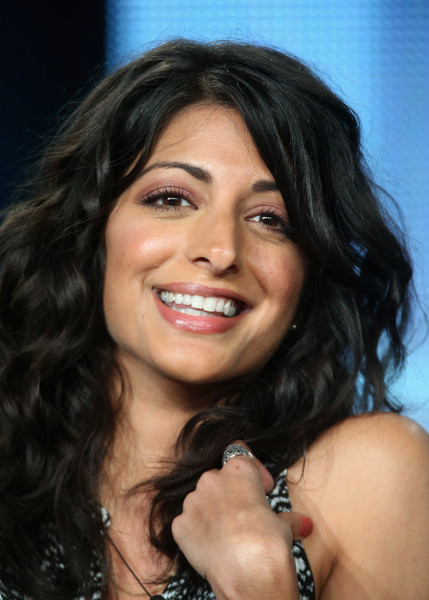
[[202, 280]]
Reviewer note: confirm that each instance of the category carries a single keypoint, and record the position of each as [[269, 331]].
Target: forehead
[[205, 133]]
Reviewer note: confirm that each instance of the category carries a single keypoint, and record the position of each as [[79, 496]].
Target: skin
[[360, 478], [366, 487], [214, 239], [256, 559]]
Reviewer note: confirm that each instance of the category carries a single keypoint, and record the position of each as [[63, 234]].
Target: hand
[[230, 535]]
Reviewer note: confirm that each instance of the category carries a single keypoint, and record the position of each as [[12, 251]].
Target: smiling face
[[201, 280]]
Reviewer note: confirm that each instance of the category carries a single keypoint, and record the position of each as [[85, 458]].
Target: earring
[[293, 326]]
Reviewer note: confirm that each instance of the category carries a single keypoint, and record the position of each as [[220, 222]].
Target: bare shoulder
[[376, 439], [366, 485], [368, 446]]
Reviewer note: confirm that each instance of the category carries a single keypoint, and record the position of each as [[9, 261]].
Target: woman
[[204, 261]]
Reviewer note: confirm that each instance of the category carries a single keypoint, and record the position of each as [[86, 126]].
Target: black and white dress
[[182, 585]]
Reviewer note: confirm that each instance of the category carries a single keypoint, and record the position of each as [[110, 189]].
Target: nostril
[[213, 247]]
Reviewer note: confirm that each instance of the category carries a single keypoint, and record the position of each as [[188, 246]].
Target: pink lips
[[201, 290], [199, 324]]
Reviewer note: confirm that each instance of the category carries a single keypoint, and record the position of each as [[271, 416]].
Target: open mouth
[[201, 306]]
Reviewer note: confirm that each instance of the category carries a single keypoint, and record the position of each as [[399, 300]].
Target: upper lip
[[201, 290]]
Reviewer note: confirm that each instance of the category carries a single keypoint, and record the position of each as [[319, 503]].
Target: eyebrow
[[262, 185], [197, 172]]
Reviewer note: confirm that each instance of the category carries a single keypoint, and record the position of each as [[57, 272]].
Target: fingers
[[300, 525], [228, 511], [266, 477]]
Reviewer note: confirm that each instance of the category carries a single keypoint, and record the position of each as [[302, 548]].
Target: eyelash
[[181, 194], [165, 193], [285, 227]]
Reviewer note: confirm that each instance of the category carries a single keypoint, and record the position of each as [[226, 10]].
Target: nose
[[213, 243]]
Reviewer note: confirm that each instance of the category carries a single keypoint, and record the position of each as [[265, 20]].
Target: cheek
[[152, 247], [282, 275], [134, 250], [291, 281]]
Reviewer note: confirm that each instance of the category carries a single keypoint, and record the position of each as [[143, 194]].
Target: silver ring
[[235, 450]]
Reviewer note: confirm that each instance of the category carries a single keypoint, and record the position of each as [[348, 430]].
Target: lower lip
[[197, 324]]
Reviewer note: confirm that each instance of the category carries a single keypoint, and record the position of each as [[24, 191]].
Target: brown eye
[[171, 201], [271, 221], [167, 199]]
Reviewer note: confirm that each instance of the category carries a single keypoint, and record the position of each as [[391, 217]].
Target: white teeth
[[209, 305], [219, 305], [197, 302], [200, 305], [190, 311]]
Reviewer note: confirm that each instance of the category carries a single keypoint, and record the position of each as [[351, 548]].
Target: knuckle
[[240, 464], [177, 526], [188, 502], [206, 480]]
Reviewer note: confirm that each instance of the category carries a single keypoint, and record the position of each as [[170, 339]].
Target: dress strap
[[279, 501]]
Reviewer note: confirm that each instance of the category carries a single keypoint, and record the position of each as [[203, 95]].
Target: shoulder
[[365, 447], [366, 481], [372, 441]]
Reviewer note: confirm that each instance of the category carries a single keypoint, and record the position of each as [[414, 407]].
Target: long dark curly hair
[[57, 419]]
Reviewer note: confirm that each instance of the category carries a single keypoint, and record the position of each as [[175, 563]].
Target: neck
[[151, 413]]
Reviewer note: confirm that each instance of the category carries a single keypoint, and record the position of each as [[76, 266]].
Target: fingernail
[[306, 527]]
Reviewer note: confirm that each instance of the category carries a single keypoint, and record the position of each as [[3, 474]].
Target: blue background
[[374, 53]]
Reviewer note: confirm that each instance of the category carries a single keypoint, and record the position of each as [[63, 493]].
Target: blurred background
[[374, 53]]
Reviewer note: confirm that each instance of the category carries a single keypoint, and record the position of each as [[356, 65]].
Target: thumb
[[300, 525], [266, 477]]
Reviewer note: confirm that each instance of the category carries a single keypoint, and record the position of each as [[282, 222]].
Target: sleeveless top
[[181, 586]]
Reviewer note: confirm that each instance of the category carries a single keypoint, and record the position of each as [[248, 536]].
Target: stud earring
[[293, 326]]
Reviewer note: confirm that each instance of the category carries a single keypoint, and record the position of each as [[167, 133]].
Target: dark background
[[50, 54]]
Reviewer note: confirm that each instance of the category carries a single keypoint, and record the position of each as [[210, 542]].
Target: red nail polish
[[306, 527]]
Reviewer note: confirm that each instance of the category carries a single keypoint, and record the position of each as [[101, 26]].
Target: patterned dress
[[182, 586]]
